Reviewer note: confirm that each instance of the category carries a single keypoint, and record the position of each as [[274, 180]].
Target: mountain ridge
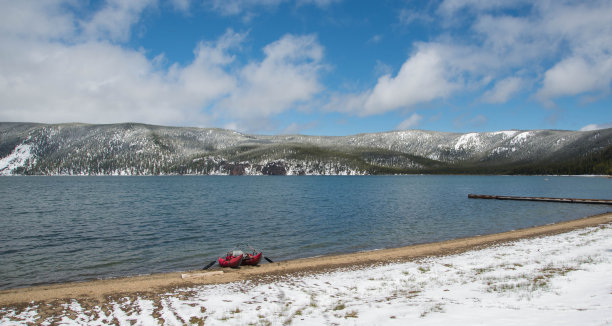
[[142, 149]]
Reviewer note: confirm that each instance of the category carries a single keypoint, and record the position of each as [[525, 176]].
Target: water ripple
[[58, 229]]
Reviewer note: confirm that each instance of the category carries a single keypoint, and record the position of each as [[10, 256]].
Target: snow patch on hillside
[[18, 158], [505, 133], [468, 141], [501, 149], [521, 138]]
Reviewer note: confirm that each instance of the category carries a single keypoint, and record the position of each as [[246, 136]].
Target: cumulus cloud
[[56, 68], [596, 126], [503, 90], [100, 82], [181, 5], [566, 46], [422, 78], [574, 36], [408, 17], [235, 7], [114, 20], [35, 19], [574, 76], [588, 66], [288, 74], [411, 122], [81, 69]]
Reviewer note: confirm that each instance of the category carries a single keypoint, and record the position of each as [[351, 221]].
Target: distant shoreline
[[306, 175], [139, 149], [100, 290]]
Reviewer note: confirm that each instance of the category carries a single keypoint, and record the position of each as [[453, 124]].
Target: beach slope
[[489, 274]]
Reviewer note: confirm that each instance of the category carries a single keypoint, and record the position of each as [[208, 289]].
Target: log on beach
[[546, 199]]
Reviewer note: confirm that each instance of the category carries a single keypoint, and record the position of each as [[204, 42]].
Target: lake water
[[57, 229]]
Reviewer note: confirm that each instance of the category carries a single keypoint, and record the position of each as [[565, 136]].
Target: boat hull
[[231, 261], [252, 260]]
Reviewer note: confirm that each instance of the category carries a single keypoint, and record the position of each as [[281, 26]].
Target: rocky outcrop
[[238, 169], [274, 168]]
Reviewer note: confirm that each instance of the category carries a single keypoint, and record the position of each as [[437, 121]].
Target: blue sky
[[320, 67]]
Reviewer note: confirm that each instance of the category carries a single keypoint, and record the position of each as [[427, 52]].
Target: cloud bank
[[61, 60], [56, 67], [560, 48]]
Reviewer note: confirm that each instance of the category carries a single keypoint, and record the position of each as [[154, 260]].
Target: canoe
[[231, 261], [252, 259]]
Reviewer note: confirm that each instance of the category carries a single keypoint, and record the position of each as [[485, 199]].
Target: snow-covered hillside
[[137, 149]]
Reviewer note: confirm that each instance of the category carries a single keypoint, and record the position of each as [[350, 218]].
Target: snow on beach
[[561, 280]]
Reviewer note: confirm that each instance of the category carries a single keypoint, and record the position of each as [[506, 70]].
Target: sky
[[314, 67]]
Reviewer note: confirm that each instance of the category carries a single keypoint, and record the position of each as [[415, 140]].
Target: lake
[[58, 229]]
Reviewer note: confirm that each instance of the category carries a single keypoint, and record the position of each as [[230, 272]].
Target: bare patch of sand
[[154, 285]]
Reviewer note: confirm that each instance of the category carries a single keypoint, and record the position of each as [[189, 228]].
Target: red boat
[[230, 260], [252, 259]]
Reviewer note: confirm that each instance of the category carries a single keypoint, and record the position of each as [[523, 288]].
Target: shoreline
[[101, 290]]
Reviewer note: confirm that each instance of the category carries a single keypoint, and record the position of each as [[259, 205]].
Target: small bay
[[58, 229]]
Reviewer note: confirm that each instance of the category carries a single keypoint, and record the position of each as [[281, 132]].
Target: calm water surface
[[57, 229]]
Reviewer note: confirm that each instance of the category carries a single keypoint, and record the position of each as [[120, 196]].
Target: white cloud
[[407, 17], [237, 7], [411, 122], [375, 39], [113, 22], [596, 126], [99, 82], [574, 36], [565, 44], [35, 19], [587, 29], [422, 78], [503, 90], [181, 5], [287, 75], [574, 76], [318, 3], [81, 70], [382, 68], [46, 79]]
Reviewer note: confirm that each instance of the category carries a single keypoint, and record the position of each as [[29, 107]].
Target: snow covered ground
[[557, 280], [18, 158]]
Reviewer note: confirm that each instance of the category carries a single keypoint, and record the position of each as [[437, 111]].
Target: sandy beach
[[100, 291]]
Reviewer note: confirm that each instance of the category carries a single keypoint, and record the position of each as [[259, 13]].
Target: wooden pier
[[547, 199]]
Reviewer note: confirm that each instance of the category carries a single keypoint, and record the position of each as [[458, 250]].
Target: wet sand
[[101, 290]]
